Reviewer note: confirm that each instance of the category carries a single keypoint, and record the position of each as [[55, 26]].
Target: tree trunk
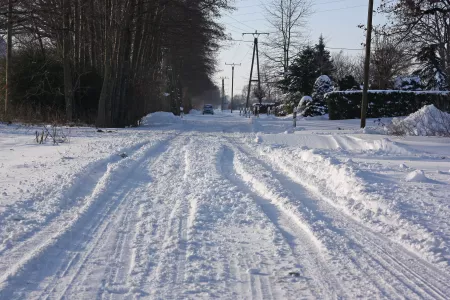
[[68, 85], [8, 100]]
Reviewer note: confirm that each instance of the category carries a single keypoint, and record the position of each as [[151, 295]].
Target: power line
[[334, 1], [235, 51], [233, 26], [240, 41], [320, 11], [250, 48], [342, 8], [314, 4], [350, 49], [241, 22]]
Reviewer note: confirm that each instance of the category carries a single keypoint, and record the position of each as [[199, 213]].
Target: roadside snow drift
[[160, 118], [428, 121]]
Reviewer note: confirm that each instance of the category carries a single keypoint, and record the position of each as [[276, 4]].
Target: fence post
[[294, 115]]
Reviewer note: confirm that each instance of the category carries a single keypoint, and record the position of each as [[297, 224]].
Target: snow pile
[[347, 188], [428, 121], [195, 112], [160, 118], [416, 176]]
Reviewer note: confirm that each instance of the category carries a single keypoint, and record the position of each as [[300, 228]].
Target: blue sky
[[337, 20]]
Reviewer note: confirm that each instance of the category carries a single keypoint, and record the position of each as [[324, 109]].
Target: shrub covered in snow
[[280, 110], [304, 105], [408, 83], [389, 103], [318, 106], [428, 121]]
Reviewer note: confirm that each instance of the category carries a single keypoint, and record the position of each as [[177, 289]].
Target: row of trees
[[423, 27], [108, 61], [410, 52]]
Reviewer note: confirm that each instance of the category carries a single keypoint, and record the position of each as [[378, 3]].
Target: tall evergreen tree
[[323, 58], [432, 73], [303, 72]]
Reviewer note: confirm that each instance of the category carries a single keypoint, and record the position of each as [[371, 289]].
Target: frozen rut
[[200, 215]]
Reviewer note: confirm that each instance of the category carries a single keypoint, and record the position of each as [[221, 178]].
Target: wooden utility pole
[[364, 103], [8, 102], [223, 90], [232, 83], [255, 34]]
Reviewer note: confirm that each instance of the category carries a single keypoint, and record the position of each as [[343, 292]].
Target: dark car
[[208, 109]]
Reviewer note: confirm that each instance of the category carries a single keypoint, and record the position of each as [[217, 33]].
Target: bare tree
[[288, 19], [389, 59], [344, 65], [423, 24]]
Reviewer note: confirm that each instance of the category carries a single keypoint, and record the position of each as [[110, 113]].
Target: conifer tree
[[323, 58], [303, 72], [431, 73]]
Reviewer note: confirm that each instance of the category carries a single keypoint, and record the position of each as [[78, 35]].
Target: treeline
[[107, 62], [411, 52]]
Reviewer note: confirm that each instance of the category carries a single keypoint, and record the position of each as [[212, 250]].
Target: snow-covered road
[[223, 207]]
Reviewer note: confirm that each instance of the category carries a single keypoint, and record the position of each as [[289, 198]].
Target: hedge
[[389, 103]]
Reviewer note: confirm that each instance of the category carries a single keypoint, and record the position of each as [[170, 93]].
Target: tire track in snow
[[167, 276], [89, 176], [101, 232], [19, 254], [113, 262], [315, 281], [389, 251], [361, 253], [57, 239], [122, 272], [353, 257], [117, 272], [153, 225]]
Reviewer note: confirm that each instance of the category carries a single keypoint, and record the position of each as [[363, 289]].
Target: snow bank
[[322, 117], [416, 176], [428, 121], [349, 189], [160, 118], [444, 93], [194, 112]]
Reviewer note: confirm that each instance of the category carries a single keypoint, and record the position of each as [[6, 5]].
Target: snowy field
[[223, 207]]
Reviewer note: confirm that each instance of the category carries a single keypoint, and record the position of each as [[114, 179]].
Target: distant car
[[208, 109]]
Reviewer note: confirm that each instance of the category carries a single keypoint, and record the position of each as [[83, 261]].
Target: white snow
[[195, 112], [416, 176], [223, 207], [323, 79], [160, 118], [428, 121], [406, 82]]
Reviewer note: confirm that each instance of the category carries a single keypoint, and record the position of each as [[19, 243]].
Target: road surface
[[196, 212]]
